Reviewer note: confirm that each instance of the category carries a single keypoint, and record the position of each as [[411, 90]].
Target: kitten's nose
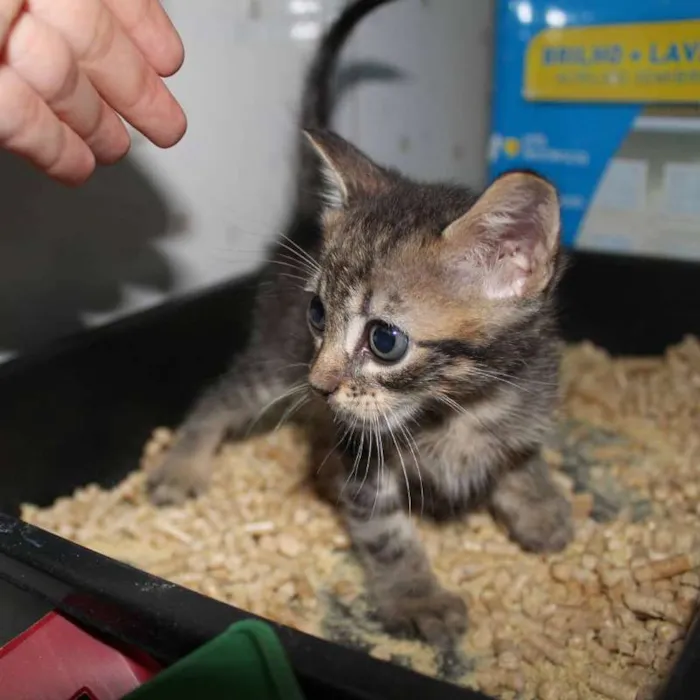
[[324, 383], [324, 391], [324, 388]]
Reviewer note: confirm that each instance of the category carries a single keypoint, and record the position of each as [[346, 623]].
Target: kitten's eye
[[387, 342], [317, 314]]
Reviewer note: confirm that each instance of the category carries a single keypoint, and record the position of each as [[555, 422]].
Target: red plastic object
[[56, 660]]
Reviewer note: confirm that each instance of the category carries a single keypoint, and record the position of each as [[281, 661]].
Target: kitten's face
[[410, 298], [378, 316]]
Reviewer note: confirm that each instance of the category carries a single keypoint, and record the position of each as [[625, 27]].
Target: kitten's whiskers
[[415, 451], [458, 408], [343, 437], [297, 251], [287, 415], [356, 460], [380, 447], [292, 391], [369, 453], [403, 464]]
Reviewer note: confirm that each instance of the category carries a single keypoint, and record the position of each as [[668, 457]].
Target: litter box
[[81, 411]]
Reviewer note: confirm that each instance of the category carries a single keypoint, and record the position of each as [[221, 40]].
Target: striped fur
[[457, 422]]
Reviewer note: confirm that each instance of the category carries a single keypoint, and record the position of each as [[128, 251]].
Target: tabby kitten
[[432, 345]]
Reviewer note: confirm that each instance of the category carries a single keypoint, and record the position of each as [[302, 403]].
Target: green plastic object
[[246, 662]]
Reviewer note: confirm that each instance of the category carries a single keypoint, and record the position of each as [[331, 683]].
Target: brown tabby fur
[[459, 421]]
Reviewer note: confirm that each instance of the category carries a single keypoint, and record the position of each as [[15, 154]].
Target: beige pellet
[[290, 546], [648, 691], [551, 690], [504, 644], [562, 572], [686, 597], [667, 632], [472, 546], [173, 531], [505, 549], [470, 572], [610, 687], [532, 604], [548, 649], [624, 616], [576, 641], [686, 540], [613, 577], [692, 578], [553, 457], [664, 568], [492, 600], [665, 585], [652, 607], [617, 641], [565, 572], [599, 654], [589, 562], [259, 528], [499, 680], [596, 545], [509, 661], [531, 654], [663, 540], [482, 638], [502, 581], [645, 653], [667, 595]]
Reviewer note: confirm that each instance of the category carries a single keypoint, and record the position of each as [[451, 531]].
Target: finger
[[116, 67], [41, 57], [30, 129], [150, 28], [9, 11]]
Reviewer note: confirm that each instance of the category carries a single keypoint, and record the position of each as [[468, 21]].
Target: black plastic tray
[[82, 409]]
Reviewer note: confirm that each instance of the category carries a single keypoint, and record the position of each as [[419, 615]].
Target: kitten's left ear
[[509, 239], [349, 173]]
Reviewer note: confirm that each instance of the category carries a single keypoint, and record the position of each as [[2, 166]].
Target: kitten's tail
[[318, 99]]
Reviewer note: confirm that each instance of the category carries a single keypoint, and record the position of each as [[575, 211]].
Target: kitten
[[432, 344]]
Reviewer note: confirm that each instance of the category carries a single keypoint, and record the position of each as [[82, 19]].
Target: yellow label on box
[[641, 62]]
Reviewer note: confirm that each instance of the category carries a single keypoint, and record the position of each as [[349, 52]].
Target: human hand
[[69, 67]]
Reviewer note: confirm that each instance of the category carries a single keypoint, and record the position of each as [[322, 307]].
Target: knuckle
[[65, 84], [145, 92], [102, 39], [53, 161], [26, 112], [96, 123], [60, 81], [43, 59]]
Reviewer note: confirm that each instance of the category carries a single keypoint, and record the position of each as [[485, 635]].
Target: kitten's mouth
[[382, 422]]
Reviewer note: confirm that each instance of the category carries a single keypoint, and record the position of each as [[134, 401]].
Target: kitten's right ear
[[349, 174]]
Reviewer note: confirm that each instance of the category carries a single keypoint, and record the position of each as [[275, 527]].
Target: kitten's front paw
[[176, 479], [438, 616], [544, 526]]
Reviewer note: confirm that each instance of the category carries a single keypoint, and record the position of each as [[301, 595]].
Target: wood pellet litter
[[604, 619]]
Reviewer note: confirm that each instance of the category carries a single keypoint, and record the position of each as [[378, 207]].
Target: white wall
[[163, 223]]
